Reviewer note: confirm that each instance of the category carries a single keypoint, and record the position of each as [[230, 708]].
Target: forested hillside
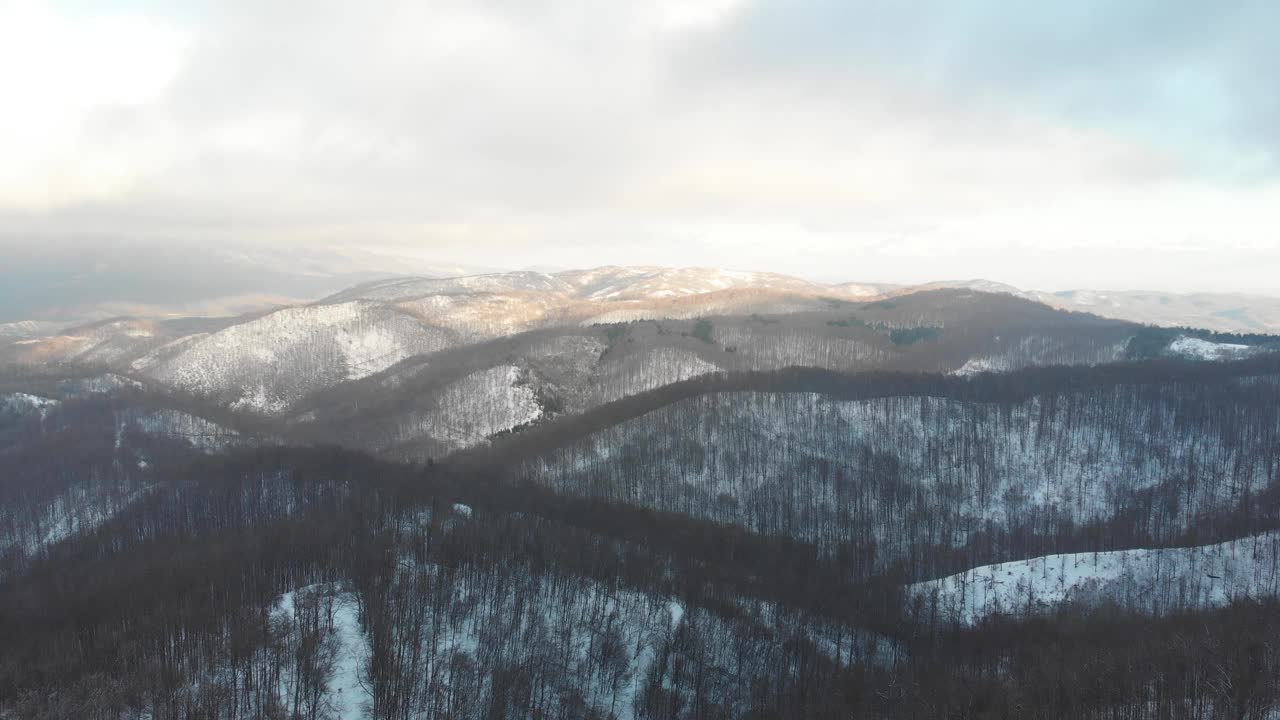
[[794, 544], [932, 505], [914, 480]]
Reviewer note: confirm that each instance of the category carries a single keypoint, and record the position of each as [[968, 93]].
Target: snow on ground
[[1154, 581], [1198, 349], [639, 283], [676, 608], [165, 351], [1039, 350], [101, 343], [577, 353], [271, 361], [636, 312], [977, 365], [726, 457], [842, 643], [570, 623], [408, 289], [472, 409], [345, 692], [104, 383], [22, 403], [645, 371], [21, 330], [486, 315], [197, 431], [484, 403], [81, 509]]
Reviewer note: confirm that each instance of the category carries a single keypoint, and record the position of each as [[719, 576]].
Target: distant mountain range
[[40, 291], [422, 366], [84, 282], [1223, 312]]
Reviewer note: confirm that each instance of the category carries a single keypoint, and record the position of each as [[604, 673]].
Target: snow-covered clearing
[[346, 694], [1198, 349], [1154, 581]]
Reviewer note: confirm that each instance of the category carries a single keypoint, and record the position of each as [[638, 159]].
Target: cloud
[[1194, 77], [885, 139], [65, 82]]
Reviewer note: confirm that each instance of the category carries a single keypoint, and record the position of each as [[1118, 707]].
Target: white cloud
[[57, 73], [684, 15], [578, 132]]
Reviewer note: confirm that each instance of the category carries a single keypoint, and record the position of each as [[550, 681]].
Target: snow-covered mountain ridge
[[565, 342], [268, 362]]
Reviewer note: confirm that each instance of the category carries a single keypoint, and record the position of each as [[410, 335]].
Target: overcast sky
[[1090, 143]]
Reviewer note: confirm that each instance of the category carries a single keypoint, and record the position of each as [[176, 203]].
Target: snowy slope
[[1197, 349], [112, 343], [268, 363], [26, 329], [566, 620], [1154, 581], [487, 306], [345, 695], [25, 403], [643, 282], [111, 473], [166, 423], [97, 384], [481, 316], [597, 645], [1040, 350], [177, 425], [412, 288], [571, 370], [562, 374], [482, 307], [470, 410], [81, 509], [22, 414], [651, 369], [602, 284]]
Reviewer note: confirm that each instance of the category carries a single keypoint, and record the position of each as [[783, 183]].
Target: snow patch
[[1154, 581], [1197, 349], [197, 431], [471, 410], [1039, 350], [345, 694], [22, 403]]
